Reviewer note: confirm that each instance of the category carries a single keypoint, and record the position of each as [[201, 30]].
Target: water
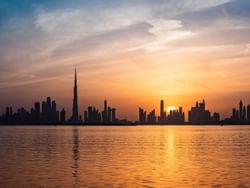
[[125, 156]]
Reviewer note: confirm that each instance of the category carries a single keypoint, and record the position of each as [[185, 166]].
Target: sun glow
[[171, 108]]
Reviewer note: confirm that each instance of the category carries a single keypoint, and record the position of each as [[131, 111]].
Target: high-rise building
[[151, 118], [161, 108], [142, 116], [162, 118], [8, 112], [37, 110], [234, 114], [248, 113], [92, 116], [53, 106], [75, 117], [176, 116], [241, 115], [63, 115], [44, 111], [199, 115], [244, 113], [105, 106], [105, 112], [113, 113], [48, 106], [241, 109], [55, 113], [37, 107], [109, 114]]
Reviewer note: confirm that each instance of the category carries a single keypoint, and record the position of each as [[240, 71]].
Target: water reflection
[[75, 157], [170, 145], [124, 156]]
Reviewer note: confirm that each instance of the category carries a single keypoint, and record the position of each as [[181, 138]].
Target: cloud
[[107, 43], [224, 24], [40, 38], [166, 31], [89, 21], [102, 17], [226, 14], [149, 35], [41, 35]]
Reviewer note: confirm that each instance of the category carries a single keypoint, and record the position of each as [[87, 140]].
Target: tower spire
[[75, 116], [75, 78]]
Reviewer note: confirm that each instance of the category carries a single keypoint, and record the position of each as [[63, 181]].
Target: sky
[[131, 52]]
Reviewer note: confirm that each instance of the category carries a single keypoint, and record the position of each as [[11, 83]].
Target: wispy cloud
[[153, 44]]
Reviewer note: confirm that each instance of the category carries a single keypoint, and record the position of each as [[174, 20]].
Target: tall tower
[[241, 109], [244, 113], [105, 106], [162, 117], [248, 113], [105, 111], [75, 117], [162, 108]]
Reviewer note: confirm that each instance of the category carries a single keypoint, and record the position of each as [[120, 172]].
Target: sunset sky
[[132, 52]]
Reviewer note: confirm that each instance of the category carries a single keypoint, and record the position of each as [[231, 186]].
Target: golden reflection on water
[[125, 156], [75, 157], [171, 145]]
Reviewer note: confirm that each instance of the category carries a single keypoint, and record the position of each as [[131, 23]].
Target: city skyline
[[47, 112], [124, 113], [179, 51], [74, 106], [124, 93]]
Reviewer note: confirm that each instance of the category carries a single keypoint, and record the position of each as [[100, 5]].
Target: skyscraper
[[244, 113], [199, 115], [240, 115], [113, 114], [62, 115], [151, 118], [142, 116], [162, 118], [248, 112], [241, 109], [162, 108], [105, 111], [75, 117]]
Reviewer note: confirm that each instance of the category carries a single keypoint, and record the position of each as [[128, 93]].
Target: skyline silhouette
[[124, 93], [127, 51], [47, 113]]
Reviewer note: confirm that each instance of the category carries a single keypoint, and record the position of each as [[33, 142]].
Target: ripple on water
[[125, 156]]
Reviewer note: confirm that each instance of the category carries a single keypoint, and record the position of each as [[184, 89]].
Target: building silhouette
[[240, 115], [176, 116], [199, 115], [163, 115], [75, 116], [47, 113], [241, 109], [93, 116], [62, 115], [151, 117], [105, 112], [142, 116], [248, 113]]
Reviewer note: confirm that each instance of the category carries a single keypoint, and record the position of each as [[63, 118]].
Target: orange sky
[[132, 53]]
